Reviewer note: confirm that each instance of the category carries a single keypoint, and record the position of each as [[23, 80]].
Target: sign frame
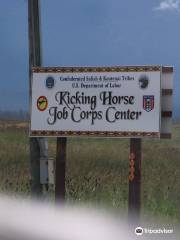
[[100, 134]]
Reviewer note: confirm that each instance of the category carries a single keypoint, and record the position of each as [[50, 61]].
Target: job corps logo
[[42, 103], [148, 102]]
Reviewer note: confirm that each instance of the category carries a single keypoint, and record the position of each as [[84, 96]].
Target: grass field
[[97, 170]]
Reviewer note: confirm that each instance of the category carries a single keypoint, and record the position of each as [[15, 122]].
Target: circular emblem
[[139, 231], [42, 103], [143, 81], [50, 82]]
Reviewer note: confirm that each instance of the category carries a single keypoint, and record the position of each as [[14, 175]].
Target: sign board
[[100, 102]]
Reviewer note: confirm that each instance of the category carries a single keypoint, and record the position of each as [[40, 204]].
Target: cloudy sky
[[88, 32]]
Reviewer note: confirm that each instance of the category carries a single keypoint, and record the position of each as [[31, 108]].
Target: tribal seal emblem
[[148, 102]]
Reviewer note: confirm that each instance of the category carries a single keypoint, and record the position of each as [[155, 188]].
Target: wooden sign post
[[60, 170], [134, 203]]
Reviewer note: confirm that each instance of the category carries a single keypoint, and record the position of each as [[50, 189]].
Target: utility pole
[[38, 146]]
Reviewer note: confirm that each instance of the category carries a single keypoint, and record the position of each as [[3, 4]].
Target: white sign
[[115, 102]]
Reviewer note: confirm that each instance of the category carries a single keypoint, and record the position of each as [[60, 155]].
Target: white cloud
[[172, 5]]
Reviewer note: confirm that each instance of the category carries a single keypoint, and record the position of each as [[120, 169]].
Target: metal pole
[[135, 179], [38, 146], [60, 170]]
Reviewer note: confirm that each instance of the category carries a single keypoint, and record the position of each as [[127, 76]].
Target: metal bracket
[[51, 170], [46, 170]]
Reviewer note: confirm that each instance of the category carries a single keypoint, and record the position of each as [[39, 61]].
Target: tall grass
[[97, 171]]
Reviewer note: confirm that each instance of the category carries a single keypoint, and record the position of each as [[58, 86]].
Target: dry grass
[[97, 170]]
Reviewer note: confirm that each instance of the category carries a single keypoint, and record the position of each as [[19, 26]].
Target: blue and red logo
[[148, 102]]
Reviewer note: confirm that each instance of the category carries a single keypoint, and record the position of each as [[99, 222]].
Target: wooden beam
[[166, 135], [167, 69], [166, 92], [134, 203], [166, 114], [60, 170]]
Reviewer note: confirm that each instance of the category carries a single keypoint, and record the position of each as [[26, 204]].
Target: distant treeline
[[14, 115]]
